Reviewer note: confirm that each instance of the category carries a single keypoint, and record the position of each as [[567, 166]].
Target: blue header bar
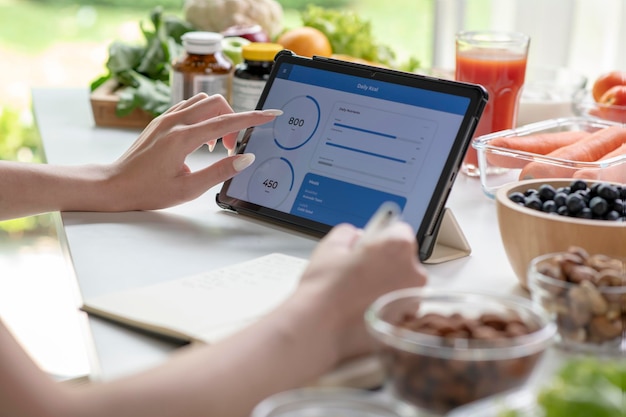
[[374, 88]]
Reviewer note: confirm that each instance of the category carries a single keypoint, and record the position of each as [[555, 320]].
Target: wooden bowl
[[528, 233]]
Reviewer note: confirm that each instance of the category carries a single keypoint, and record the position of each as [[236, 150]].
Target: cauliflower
[[217, 15]]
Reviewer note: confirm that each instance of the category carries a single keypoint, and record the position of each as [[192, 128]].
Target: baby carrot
[[614, 173], [538, 143], [588, 149]]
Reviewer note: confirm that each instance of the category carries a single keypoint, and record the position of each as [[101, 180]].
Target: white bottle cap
[[202, 42]]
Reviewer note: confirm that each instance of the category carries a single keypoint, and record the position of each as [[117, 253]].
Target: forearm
[[227, 379], [28, 189]]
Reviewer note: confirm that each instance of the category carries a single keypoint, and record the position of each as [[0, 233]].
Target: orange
[[306, 41], [605, 81]]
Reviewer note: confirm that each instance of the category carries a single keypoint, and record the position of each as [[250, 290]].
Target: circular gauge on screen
[[271, 182], [298, 123]]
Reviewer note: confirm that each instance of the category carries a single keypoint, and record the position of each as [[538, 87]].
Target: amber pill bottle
[[202, 68]]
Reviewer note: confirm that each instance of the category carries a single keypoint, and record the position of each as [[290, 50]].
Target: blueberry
[[578, 185], [546, 192], [529, 192], [549, 206], [585, 213], [562, 210], [585, 194], [574, 203], [608, 191], [598, 206], [594, 188], [533, 202], [517, 197], [560, 198], [612, 215]]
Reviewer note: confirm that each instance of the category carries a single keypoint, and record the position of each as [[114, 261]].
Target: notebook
[[207, 307]]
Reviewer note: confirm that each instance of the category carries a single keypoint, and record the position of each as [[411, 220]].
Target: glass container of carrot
[[570, 147]]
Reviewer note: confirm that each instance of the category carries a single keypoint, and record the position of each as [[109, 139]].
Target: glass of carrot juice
[[497, 61]]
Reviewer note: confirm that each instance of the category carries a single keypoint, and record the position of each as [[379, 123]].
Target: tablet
[[352, 137]]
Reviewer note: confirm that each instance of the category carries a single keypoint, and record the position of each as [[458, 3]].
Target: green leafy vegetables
[[351, 35], [583, 387], [144, 70]]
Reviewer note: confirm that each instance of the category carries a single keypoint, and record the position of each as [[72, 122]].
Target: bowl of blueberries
[[543, 216]]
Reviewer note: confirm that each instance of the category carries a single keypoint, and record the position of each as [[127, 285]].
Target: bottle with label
[[203, 67], [251, 75]]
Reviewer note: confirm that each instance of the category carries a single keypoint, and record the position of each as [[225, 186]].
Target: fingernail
[[211, 146], [231, 152], [272, 112], [244, 161]]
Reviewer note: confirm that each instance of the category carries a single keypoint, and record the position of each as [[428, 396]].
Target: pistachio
[[598, 303], [604, 328], [568, 258], [579, 306], [607, 278], [613, 311], [552, 271], [600, 262], [592, 308], [580, 273], [581, 252]]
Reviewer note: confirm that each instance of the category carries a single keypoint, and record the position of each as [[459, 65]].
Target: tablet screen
[[348, 142]]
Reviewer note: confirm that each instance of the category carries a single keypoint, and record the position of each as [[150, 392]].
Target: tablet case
[[450, 242]]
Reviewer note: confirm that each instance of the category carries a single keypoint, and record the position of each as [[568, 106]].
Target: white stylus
[[386, 214]]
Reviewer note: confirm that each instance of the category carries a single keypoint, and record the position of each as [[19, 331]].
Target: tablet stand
[[450, 242]]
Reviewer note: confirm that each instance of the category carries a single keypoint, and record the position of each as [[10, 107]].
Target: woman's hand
[[344, 278], [152, 173], [320, 325]]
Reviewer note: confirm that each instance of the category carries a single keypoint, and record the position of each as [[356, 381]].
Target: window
[[587, 35]]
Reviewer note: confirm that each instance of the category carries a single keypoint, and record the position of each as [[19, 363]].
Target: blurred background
[[64, 43]]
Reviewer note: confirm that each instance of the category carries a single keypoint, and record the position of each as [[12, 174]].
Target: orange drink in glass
[[497, 61]]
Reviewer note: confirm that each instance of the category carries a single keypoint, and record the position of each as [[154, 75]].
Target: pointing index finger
[[226, 124]]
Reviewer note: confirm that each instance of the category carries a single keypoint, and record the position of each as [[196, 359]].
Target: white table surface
[[115, 251]]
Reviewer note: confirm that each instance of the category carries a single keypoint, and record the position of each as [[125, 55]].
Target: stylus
[[386, 214]]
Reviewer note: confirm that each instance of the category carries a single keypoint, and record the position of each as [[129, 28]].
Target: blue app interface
[[346, 144]]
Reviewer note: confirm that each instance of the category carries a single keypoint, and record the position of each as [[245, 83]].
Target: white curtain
[[586, 35]]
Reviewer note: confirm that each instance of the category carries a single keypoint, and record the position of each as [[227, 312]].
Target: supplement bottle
[[203, 67], [251, 75]]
